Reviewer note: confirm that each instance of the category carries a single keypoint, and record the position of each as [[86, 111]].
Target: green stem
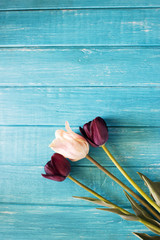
[[124, 187], [146, 223], [150, 225], [97, 195], [148, 199]]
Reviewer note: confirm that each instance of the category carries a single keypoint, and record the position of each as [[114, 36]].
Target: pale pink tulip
[[70, 144]]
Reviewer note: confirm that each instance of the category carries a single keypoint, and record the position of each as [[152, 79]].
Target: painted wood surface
[[53, 106], [56, 222], [80, 66], [131, 146], [74, 60], [80, 27], [50, 4], [26, 185]]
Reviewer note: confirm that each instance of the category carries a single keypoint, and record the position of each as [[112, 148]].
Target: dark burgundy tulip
[[95, 132], [58, 168]]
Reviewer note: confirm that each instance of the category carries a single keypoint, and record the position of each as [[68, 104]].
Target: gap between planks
[[72, 46], [63, 86], [60, 125], [80, 8], [56, 205], [78, 166]]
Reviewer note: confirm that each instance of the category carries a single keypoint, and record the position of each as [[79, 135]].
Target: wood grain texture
[[74, 60], [131, 146], [80, 27], [53, 106], [50, 4], [48, 222], [26, 185], [80, 66]]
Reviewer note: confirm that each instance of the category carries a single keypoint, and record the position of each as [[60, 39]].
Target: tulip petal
[[99, 131], [87, 129], [73, 134], [68, 128], [59, 133], [70, 144], [61, 146], [95, 132], [61, 164], [54, 178], [69, 147], [49, 168], [86, 137]]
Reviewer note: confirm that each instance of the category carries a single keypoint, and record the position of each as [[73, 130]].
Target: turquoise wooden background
[[74, 60]]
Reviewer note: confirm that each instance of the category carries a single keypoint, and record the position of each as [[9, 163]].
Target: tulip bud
[[70, 144], [95, 132], [58, 168]]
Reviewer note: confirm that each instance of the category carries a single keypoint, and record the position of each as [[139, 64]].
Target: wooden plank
[[53, 106], [131, 146], [24, 184], [49, 4], [74, 67], [48, 222], [80, 27]]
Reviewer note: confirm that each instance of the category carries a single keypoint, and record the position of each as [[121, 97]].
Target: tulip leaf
[[154, 188], [129, 217], [140, 212], [153, 222], [144, 236], [96, 201], [143, 215]]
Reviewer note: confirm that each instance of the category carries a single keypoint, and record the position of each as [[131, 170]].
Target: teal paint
[[45, 222], [71, 4], [26, 185], [131, 146], [96, 58], [53, 105], [80, 27], [91, 66]]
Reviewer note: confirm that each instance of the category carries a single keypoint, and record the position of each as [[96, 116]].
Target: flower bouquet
[[72, 146]]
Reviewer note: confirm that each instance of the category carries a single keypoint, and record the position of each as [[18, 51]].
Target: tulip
[[70, 144], [60, 165], [95, 132], [58, 168], [130, 180]]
